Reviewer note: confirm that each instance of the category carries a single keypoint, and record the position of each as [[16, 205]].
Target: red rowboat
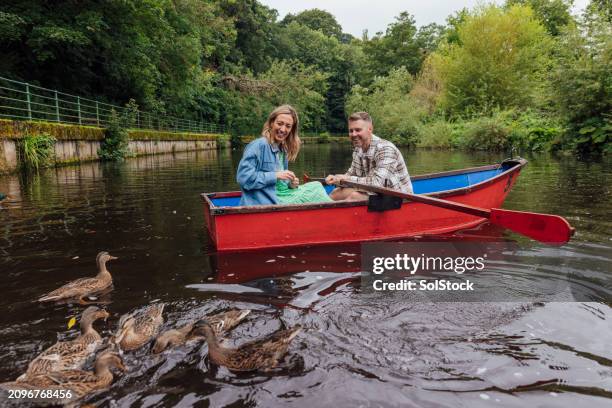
[[233, 227]]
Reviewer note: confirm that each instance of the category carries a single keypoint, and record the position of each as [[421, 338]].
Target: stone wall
[[75, 143], [72, 151]]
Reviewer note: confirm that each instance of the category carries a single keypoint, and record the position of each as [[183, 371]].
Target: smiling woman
[[263, 172]]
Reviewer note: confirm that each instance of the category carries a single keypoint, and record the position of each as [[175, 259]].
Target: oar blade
[[551, 229]]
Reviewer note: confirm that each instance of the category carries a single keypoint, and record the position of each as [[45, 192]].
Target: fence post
[[57, 117], [29, 101], [79, 109], [97, 114]]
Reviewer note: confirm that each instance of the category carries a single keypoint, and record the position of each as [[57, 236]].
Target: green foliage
[[396, 116], [553, 14], [583, 83], [398, 47], [318, 20], [498, 62], [115, 144], [436, 134], [453, 22], [486, 133], [340, 61], [37, 151], [324, 137], [532, 130]]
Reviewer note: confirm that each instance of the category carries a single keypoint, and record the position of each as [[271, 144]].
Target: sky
[[356, 15]]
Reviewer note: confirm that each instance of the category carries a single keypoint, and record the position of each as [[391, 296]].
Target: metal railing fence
[[24, 101]]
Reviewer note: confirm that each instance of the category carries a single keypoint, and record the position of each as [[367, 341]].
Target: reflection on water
[[355, 346]]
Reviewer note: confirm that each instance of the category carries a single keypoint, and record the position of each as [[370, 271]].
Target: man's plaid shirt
[[382, 165]]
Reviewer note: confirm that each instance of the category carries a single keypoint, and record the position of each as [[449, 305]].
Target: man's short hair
[[365, 116]]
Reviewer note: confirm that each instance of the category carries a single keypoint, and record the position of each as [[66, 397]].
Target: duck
[[259, 355], [220, 323], [80, 288], [137, 330], [79, 382], [70, 354]]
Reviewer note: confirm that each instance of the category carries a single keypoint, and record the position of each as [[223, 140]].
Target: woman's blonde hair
[[291, 145]]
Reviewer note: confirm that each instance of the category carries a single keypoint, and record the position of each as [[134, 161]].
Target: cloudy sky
[[356, 15]]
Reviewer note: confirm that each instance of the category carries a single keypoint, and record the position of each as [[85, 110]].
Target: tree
[[394, 113], [428, 37], [583, 82], [339, 61], [553, 14], [601, 7], [398, 47], [255, 31], [453, 22], [499, 61], [318, 20]]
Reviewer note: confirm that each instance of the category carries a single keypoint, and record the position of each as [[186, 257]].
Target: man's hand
[[285, 175], [335, 178]]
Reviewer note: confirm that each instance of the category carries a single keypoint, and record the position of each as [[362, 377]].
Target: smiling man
[[375, 161]]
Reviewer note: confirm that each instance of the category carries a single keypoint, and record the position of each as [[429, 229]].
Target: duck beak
[[110, 257]]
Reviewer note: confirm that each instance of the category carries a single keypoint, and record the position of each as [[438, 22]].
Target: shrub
[[486, 133], [323, 138], [115, 143], [436, 134], [37, 151], [533, 131]]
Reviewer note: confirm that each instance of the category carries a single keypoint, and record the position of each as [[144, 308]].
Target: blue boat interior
[[423, 186]]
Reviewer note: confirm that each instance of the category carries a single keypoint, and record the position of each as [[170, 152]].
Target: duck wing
[[149, 322], [64, 355], [262, 354]]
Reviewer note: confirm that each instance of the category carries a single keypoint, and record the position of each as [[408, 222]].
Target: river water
[[356, 349]]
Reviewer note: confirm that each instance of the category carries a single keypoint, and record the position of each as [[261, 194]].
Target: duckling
[[83, 287], [135, 331], [79, 382], [70, 354], [220, 323], [263, 354]]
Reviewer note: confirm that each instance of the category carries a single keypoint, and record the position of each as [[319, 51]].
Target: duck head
[[109, 359], [126, 324], [103, 257], [90, 315], [203, 328]]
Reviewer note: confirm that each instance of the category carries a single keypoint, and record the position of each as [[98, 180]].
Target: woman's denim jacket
[[257, 173]]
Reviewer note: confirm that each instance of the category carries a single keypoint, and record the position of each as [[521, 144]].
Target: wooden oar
[[547, 228]]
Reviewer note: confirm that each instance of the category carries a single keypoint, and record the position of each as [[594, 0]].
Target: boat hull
[[244, 228]]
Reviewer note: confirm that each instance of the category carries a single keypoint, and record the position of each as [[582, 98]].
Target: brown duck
[[220, 323], [263, 354], [79, 382], [136, 331], [80, 288], [70, 354]]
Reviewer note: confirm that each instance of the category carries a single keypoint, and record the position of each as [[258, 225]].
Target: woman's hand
[[285, 175], [294, 183]]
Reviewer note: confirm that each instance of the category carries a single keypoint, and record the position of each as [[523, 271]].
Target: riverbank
[[76, 143]]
